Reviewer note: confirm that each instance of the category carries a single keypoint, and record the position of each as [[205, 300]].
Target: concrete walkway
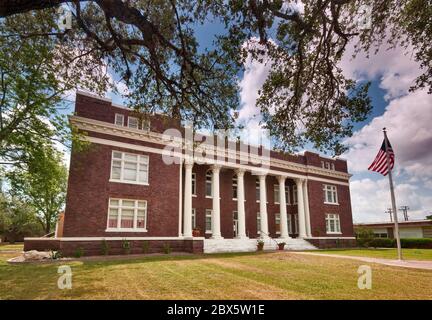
[[416, 264]]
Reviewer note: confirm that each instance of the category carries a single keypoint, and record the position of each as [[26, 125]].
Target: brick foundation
[[333, 243], [94, 247]]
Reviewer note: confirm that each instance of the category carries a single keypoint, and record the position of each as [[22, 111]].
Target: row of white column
[[302, 202]]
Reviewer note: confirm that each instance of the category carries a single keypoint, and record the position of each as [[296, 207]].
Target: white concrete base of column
[[216, 237], [250, 245]]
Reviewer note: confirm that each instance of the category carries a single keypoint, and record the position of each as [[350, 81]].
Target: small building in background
[[407, 229]]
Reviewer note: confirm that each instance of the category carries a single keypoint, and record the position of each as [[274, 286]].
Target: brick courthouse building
[[122, 190]]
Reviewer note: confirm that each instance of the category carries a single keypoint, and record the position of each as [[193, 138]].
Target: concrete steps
[[250, 245]]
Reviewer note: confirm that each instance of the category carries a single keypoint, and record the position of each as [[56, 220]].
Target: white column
[[283, 212], [306, 205], [301, 209], [241, 215], [216, 233], [187, 214], [263, 206]]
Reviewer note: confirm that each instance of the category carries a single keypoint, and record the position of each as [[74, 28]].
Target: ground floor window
[[258, 223], [332, 223], [127, 214], [193, 218], [208, 221], [295, 223], [290, 229], [277, 223]]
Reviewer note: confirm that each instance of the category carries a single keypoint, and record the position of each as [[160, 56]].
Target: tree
[[34, 79], [153, 46], [429, 217], [42, 183], [17, 219]]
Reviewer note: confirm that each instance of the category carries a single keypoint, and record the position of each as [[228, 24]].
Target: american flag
[[380, 163]]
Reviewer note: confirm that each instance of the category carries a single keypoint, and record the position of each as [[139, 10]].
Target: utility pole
[[404, 209], [389, 211]]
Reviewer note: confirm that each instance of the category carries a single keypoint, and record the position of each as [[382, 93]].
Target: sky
[[406, 115]]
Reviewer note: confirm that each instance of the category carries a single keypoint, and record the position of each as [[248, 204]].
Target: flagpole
[[395, 218]]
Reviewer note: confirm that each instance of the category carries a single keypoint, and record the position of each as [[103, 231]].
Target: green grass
[[276, 275], [408, 254], [11, 247]]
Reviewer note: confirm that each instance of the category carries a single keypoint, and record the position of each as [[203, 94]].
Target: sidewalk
[[416, 264]]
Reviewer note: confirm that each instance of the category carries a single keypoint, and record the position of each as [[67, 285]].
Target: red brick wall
[[89, 191]]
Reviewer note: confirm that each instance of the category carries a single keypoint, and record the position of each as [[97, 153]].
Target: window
[[234, 187], [209, 189], [287, 195], [208, 221], [258, 223], [127, 215], [295, 223], [290, 230], [276, 193], [257, 190], [322, 164], [194, 184], [277, 223], [146, 125], [119, 120], [332, 223], [129, 168], [193, 218], [133, 122], [327, 165], [330, 194], [332, 166], [295, 197]]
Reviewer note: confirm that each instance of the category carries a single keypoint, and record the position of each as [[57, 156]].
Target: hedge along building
[[139, 183]]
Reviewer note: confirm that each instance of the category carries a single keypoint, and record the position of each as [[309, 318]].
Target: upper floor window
[[332, 223], [332, 166], [287, 195], [119, 120], [276, 193], [209, 189], [146, 125], [323, 164], [130, 168], [194, 184], [330, 194], [127, 214], [234, 187], [257, 190], [133, 122], [295, 197], [327, 165]]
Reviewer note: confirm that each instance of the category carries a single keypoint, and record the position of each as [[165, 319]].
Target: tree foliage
[[42, 184], [154, 47]]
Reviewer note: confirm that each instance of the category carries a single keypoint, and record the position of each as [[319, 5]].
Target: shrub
[[79, 252], [364, 236], [105, 247], [382, 243], [126, 245], [166, 248], [145, 247], [417, 243], [55, 255]]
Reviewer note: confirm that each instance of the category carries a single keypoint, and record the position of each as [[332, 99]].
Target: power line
[[404, 209]]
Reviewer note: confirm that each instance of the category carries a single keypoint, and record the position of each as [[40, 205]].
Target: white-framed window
[[327, 165], [276, 194], [194, 184], [295, 197], [295, 223], [322, 164], [290, 229], [332, 166], [127, 215], [287, 194], [209, 188], [257, 190], [119, 120], [258, 223], [330, 194], [146, 125], [133, 122], [234, 187], [129, 168], [193, 218], [332, 223], [277, 223], [208, 220]]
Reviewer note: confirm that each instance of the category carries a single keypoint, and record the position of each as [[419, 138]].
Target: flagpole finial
[[384, 129]]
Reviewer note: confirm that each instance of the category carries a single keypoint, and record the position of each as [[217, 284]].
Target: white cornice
[[210, 151]]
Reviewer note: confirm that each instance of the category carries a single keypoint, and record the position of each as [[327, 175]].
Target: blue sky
[[406, 115]]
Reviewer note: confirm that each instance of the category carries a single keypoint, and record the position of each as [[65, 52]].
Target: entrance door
[[235, 224]]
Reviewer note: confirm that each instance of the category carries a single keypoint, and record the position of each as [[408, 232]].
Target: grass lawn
[[408, 254], [11, 247], [276, 275]]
